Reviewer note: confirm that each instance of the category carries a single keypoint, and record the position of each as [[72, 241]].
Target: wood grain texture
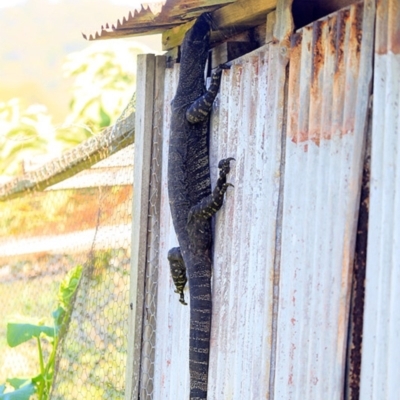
[[143, 145]]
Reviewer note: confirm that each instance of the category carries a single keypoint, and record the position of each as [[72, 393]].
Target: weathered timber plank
[[153, 237], [235, 17], [143, 146]]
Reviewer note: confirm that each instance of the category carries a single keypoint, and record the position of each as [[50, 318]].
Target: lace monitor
[[191, 200]]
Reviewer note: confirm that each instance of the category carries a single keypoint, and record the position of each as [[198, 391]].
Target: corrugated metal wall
[[329, 76], [380, 374], [245, 127], [322, 171], [284, 240]]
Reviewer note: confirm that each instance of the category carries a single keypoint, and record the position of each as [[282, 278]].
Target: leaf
[[23, 393], [16, 383], [68, 286], [18, 333], [58, 316]]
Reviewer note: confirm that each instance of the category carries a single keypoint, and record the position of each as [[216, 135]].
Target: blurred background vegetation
[[97, 81], [104, 82]]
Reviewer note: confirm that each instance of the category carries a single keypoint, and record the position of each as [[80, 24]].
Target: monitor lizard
[[192, 202]]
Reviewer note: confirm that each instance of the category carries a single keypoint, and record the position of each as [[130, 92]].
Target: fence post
[[143, 142]]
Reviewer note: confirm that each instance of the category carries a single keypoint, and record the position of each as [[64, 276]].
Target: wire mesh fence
[[83, 217]]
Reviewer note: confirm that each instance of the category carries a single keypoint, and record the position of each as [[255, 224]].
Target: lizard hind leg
[[208, 206], [178, 272]]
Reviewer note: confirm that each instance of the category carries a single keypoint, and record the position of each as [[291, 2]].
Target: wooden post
[[148, 342], [143, 141]]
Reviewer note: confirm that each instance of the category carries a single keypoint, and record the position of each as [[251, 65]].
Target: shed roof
[[156, 17], [174, 17]]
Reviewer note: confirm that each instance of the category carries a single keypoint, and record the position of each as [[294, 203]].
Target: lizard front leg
[[208, 206], [201, 108], [178, 272]]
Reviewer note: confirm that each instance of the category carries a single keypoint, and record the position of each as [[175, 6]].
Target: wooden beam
[[243, 13], [173, 37], [228, 20]]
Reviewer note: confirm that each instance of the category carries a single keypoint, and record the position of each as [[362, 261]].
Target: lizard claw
[[225, 187], [182, 301], [225, 162]]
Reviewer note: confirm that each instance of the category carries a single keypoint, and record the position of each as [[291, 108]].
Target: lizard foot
[[224, 66], [218, 70], [178, 272], [224, 166]]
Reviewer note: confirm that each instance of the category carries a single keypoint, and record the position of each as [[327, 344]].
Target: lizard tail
[[200, 329]]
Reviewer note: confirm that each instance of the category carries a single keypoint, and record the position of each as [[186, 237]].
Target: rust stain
[[317, 51], [388, 27], [394, 27], [302, 136], [296, 40], [339, 34], [295, 61], [336, 49], [332, 23], [356, 26]]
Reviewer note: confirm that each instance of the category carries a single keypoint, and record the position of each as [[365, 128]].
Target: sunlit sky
[[37, 35], [132, 3]]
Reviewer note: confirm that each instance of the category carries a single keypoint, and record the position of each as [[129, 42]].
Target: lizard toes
[[225, 187], [224, 66], [225, 162]]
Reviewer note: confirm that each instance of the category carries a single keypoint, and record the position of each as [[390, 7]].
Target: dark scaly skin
[[191, 201], [178, 272]]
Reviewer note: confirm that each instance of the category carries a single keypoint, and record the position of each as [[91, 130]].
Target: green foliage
[[18, 333], [104, 80], [23, 389], [23, 132]]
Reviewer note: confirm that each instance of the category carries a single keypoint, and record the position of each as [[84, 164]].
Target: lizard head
[[197, 39], [194, 54], [200, 31]]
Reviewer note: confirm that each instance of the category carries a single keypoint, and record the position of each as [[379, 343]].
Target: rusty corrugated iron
[[246, 125], [329, 77], [157, 17], [381, 338], [285, 238]]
